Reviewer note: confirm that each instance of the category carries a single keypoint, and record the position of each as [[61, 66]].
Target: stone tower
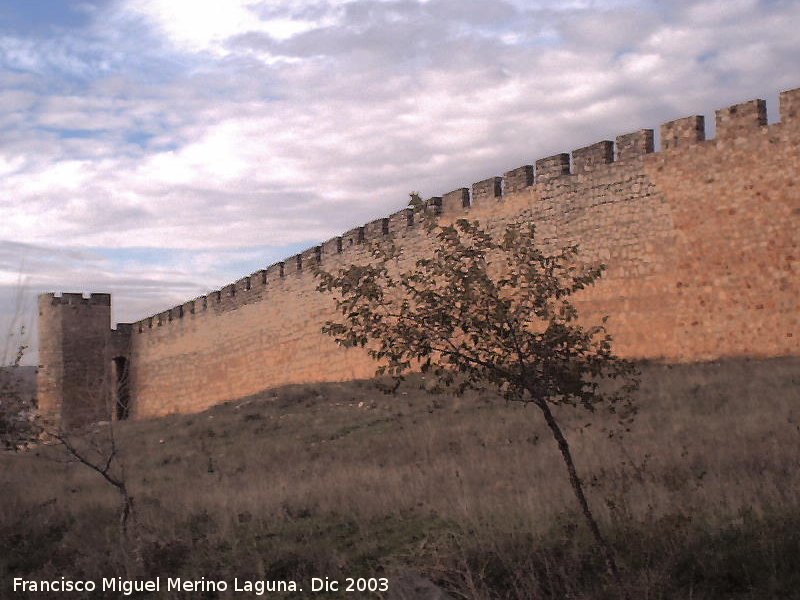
[[74, 336], [700, 239]]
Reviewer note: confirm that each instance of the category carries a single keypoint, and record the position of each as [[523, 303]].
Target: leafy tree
[[484, 312]]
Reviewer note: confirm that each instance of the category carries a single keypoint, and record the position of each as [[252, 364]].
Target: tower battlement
[[74, 334], [699, 236]]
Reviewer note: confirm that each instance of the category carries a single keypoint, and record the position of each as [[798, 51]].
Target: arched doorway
[[122, 396]]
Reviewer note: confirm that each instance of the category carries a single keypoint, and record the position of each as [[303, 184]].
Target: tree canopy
[[484, 311]]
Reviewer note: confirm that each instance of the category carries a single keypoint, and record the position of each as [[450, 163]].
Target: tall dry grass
[[471, 491]]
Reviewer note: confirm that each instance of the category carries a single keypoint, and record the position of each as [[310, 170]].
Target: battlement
[[517, 179], [735, 122], [74, 299], [589, 158], [683, 132], [698, 236], [455, 201], [486, 191], [789, 102], [552, 167], [74, 335], [635, 145]]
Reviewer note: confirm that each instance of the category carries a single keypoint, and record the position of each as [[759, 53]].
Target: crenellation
[[434, 205], [100, 299], [332, 247], [275, 272], [401, 220], [353, 237], [487, 191], [518, 179], [455, 202], [292, 265], [73, 298], [552, 167], [683, 132], [231, 298], [589, 158], [309, 258], [65, 298], [376, 229], [75, 336], [688, 251], [258, 279], [734, 121], [635, 145], [243, 285], [789, 102]]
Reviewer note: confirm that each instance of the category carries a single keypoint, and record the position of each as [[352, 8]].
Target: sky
[[159, 149]]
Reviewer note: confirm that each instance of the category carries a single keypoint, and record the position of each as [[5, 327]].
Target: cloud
[[242, 129], [205, 26]]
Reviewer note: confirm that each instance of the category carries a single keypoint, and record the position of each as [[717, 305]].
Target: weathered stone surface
[[552, 167], [518, 179], [700, 242], [455, 202], [589, 158], [75, 335], [488, 190], [683, 132], [635, 145], [736, 120]]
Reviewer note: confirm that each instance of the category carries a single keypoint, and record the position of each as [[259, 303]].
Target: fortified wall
[[700, 240]]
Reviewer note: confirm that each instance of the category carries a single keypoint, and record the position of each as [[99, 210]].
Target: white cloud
[[216, 127], [715, 12], [204, 26]]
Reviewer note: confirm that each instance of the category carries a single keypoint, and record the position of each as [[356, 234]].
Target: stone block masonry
[[700, 240], [74, 340]]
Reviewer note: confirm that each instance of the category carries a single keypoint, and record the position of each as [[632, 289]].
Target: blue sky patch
[[221, 137], [42, 17]]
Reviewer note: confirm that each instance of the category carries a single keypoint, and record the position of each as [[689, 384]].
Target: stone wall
[[700, 240], [72, 379]]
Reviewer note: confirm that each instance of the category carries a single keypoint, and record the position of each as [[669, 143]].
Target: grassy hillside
[[701, 499]]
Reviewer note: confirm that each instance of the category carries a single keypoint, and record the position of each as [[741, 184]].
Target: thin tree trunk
[[577, 488], [126, 511], [131, 547]]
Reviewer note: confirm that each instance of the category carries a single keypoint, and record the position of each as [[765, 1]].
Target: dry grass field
[[701, 499]]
